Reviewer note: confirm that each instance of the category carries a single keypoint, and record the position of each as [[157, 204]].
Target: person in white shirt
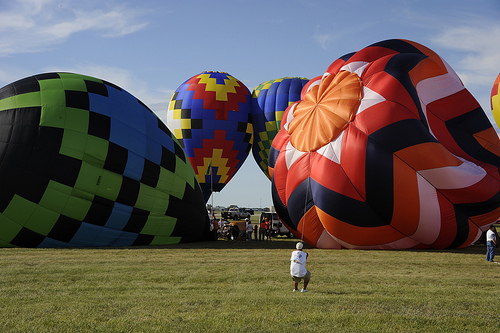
[[491, 242], [249, 229], [298, 269]]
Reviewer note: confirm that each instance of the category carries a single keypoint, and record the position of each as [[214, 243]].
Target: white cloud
[[478, 44], [476, 54], [326, 34], [115, 23], [35, 25], [324, 39]]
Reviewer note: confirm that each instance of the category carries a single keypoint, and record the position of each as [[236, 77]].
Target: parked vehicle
[[239, 230], [235, 213], [277, 227]]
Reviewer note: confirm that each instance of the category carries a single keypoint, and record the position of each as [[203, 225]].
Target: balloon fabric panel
[[269, 101], [495, 100], [413, 163], [87, 164]]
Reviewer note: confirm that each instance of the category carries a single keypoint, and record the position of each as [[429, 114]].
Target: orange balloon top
[[325, 111]]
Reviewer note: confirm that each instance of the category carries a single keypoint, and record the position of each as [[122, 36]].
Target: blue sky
[[150, 47]]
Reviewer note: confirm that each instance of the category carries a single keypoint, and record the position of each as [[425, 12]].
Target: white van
[[277, 227]]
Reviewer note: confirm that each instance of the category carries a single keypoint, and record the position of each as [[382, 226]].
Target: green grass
[[238, 286]]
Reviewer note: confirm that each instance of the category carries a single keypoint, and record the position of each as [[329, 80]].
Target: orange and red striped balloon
[[388, 151]]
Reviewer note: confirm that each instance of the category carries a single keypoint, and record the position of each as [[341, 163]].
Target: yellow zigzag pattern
[[217, 161], [221, 90]]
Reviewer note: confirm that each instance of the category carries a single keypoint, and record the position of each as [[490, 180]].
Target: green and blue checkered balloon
[[85, 163]]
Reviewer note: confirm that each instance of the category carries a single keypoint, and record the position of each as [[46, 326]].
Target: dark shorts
[[305, 277]]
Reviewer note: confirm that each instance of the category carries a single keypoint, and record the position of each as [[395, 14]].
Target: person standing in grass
[[249, 229], [298, 269], [491, 242], [268, 229], [262, 229]]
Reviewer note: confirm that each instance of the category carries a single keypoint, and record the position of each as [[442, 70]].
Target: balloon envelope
[[269, 100], [495, 100], [84, 163], [210, 115], [389, 151], [311, 83]]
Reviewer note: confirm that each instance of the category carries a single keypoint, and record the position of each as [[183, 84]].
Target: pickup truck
[[235, 214]]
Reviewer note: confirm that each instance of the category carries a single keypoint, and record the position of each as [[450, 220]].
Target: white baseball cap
[[299, 246]]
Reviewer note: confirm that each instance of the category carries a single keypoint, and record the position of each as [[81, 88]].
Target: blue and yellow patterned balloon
[[210, 114], [269, 101]]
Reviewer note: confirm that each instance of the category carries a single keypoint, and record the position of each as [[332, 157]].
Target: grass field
[[233, 286]]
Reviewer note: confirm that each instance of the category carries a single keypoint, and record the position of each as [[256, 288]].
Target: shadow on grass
[[473, 249], [278, 243], [287, 243]]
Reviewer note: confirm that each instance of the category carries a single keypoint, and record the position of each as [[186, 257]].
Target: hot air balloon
[[84, 163], [210, 115], [495, 100], [269, 100], [313, 82], [389, 151]]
